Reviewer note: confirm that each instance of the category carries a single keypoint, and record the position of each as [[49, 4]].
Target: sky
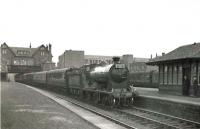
[[101, 27]]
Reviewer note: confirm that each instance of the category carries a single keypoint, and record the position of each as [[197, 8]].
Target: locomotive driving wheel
[[96, 98], [112, 101]]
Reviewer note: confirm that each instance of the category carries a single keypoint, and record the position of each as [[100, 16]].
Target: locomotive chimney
[[116, 60]]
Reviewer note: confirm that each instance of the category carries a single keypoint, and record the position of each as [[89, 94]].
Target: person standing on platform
[[195, 86], [186, 85]]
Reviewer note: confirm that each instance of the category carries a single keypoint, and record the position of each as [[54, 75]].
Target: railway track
[[80, 104], [156, 120], [100, 114], [147, 118], [134, 118]]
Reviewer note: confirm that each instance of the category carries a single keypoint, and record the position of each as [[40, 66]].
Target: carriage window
[[57, 75]]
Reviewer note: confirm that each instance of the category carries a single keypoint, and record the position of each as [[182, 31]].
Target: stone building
[[173, 66], [20, 59], [127, 59], [71, 58], [3, 69]]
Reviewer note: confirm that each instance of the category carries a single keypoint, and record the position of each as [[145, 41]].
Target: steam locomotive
[[100, 83]]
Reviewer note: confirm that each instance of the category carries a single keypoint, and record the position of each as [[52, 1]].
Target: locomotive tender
[[101, 83]]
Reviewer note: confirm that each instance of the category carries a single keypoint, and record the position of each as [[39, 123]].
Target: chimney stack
[[116, 60], [49, 47], [163, 54]]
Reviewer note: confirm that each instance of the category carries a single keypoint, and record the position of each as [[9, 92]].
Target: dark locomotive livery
[[107, 84]]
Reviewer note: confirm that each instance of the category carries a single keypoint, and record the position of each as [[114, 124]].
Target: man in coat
[[195, 86], [186, 85]]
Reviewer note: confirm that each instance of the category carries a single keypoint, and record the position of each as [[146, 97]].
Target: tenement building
[[70, 59], [179, 70], [20, 59]]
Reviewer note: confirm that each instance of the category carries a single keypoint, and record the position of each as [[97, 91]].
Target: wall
[[73, 59], [42, 56]]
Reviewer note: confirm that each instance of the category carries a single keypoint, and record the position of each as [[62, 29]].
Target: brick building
[[173, 66], [20, 59]]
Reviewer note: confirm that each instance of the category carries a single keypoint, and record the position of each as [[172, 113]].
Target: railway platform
[[24, 107], [179, 106]]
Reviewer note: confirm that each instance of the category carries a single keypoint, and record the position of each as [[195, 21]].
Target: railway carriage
[[39, 78], [28, 78], [56, 78], [19, 78]]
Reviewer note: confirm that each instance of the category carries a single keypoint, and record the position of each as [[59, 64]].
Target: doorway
[[186, 81]]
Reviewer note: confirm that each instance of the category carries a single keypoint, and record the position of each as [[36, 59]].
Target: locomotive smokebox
[[116, 59]]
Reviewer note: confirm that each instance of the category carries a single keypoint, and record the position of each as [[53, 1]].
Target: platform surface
[[154, 93], [24, 108]]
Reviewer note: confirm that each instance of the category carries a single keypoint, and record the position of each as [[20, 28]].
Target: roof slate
[[30, 53], [183, 52]]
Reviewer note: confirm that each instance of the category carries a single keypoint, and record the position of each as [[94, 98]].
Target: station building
[[21, 60], [173, 66]]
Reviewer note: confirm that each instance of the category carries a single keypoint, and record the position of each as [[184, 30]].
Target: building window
[[170, 74], [165, 74], [42, 53], [179, 68], [161, 74], [23, 52], [16, 62], [4, 51], [175, 75], [23, 62]]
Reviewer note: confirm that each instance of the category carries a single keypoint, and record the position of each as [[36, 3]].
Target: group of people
[[186, 86]]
